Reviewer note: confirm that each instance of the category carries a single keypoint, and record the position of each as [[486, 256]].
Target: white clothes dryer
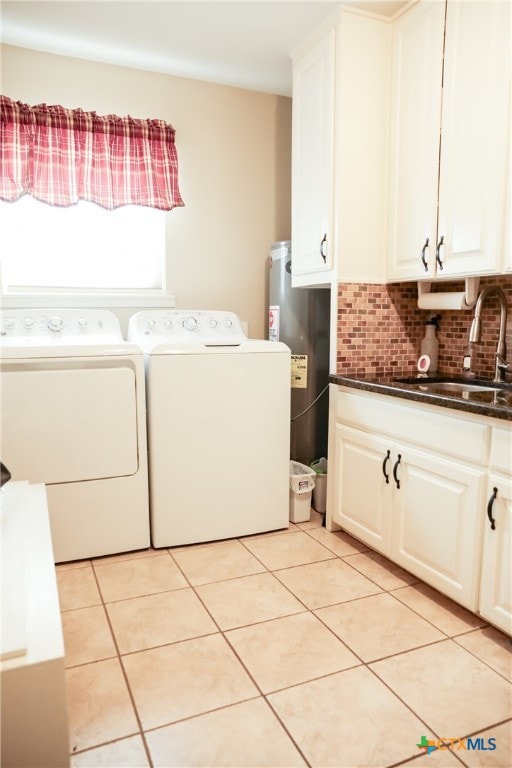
[[218, 427], [73, 418]]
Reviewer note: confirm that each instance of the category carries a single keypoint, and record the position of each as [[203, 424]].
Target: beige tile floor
[[297, 648]]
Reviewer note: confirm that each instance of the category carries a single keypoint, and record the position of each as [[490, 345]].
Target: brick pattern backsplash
[[380, 329]]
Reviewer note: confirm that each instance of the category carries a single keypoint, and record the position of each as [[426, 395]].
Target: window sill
[[104, 301]]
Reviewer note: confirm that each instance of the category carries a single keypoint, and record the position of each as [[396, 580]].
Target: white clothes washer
[[218, 427], [73, 418]]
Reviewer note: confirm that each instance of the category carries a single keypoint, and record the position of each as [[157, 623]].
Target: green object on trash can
[[319, 466]]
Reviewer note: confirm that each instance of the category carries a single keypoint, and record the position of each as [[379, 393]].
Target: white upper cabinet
[[363, 76], [313, 163], [474, 136], [340, 135], [415, 129], [450, 140]]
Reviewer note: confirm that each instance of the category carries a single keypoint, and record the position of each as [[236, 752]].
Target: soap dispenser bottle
[[429, 343]]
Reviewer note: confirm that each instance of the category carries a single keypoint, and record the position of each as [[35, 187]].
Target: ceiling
[[240, 43]]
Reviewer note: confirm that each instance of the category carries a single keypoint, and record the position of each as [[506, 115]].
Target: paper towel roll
[[451, 300]]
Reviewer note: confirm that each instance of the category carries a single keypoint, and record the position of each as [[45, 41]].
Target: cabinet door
[[495, 590], [361, 494], [475, 136], [313, 163], [415, 126], [507, 249], [436, 526]]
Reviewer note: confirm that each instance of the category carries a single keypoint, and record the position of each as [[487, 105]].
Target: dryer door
[[68, 424]]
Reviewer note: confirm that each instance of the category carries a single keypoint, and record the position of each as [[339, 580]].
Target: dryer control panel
[[58, 326], [182, 326]]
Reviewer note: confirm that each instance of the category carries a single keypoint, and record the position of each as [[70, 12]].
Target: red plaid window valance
[[61, 156]]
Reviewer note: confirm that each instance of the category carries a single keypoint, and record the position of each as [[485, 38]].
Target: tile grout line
[[414, 610], [123, 671], [478, 658], [261, 695]]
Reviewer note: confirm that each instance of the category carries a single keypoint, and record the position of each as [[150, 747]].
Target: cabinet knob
[[438, 252], [323, 243], [423, 257], [489, 509]]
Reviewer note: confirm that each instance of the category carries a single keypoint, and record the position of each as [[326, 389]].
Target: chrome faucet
[[475, 332]]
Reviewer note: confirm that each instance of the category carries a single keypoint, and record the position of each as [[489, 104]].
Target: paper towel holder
[[428, 300]]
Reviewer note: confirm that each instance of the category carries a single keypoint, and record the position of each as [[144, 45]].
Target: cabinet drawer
[[501, 450], [421, 425]]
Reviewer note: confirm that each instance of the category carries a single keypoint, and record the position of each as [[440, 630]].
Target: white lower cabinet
[[417, 508], [496, 581], [362, 505], [435, 526], [415, 484]]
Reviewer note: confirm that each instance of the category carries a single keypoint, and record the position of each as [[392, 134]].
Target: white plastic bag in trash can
[[302, 482], [302, 478]]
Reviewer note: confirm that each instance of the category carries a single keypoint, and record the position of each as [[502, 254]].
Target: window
[[81, 249], [106, 182]]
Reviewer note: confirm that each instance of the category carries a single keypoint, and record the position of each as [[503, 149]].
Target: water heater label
[[299, 372], [273, 323]]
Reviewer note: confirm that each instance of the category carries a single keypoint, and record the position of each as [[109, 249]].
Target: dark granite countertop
[[495, 404]]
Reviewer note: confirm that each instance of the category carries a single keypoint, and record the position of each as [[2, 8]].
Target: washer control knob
[[166, 323], [150, 323], [28, 322], [212, 322], [82, 323], [228, 322], [190, 323], [55, 323]]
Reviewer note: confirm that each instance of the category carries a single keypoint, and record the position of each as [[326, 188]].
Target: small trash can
[[320, 490], [302, 482]]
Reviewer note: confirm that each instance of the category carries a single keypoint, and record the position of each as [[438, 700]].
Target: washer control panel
[[59, 326], [186, 327]]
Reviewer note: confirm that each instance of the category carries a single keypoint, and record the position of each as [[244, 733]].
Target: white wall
[[234, 150]]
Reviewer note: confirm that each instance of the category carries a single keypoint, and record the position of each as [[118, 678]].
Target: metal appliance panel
[[300, 317]]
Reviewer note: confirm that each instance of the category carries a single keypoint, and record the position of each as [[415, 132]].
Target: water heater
[[300, 317]]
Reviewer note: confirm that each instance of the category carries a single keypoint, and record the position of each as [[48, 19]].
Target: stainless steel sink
[[453, 386]]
